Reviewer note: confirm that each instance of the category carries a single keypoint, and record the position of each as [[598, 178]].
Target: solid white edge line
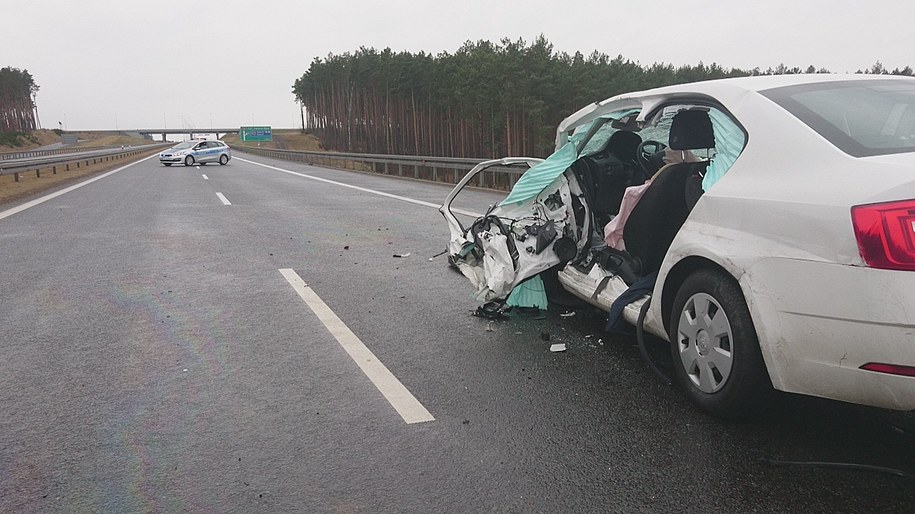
[[392, 389], [223, 199], [363, 189], [28, 205], [204, 176]]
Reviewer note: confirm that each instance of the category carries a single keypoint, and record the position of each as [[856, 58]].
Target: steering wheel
[[646, 152]]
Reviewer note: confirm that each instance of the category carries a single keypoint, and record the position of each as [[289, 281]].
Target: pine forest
[[485, 100]]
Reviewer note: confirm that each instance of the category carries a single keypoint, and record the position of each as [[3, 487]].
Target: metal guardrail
[[66, 162], [28, 154], [448, 170], [31, 160]]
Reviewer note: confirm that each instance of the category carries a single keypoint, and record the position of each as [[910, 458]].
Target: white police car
[[196, 152]]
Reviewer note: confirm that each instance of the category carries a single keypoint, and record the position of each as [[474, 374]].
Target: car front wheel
[[189, 161], [715, 348], [223, 159]]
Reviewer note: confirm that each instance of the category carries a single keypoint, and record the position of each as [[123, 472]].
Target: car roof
[[763, 82], [720, 89]]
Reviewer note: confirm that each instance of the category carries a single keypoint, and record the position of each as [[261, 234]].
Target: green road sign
[[256, 134]]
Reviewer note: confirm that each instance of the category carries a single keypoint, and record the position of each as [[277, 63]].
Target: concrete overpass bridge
[[191, 133], [163, 132]]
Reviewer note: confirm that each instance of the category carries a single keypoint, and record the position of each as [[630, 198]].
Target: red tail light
[[886, 234], [890, 369]]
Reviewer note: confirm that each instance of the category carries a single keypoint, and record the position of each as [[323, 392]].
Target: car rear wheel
[[189, 161], [167, 164], [223, 159], [715, 348]]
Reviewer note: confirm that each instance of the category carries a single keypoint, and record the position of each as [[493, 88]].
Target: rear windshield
[[860, 117]]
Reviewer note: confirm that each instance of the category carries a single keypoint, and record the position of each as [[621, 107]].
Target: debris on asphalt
[[567, 314], [401, 255], [589, 336], [346, 247], [558, 347], [490, 310], [489, 327], [443, 252]]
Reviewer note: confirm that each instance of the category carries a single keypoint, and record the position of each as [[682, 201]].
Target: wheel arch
[[675, 277]]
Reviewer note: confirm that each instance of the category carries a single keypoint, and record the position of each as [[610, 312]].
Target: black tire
[[720, 367], [223, 159], [189, 160], [167, 164]]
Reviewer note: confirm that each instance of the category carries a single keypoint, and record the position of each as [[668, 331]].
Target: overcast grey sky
[[192, 64]]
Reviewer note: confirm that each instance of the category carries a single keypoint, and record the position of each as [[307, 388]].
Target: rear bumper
[[818, 323]]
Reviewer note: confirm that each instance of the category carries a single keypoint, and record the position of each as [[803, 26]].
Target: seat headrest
[[691, 130], [624, 145]]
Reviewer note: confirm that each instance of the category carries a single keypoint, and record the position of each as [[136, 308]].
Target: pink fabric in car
[[613, 231]]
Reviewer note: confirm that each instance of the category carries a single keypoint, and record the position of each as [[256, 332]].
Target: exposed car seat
[[665, 205], [624, 146], [612, 170]]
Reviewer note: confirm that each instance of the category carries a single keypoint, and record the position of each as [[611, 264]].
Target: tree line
[[18, 112], [484, 100]]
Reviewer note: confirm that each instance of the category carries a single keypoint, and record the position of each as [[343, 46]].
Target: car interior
[[627, 160], [676, 188]]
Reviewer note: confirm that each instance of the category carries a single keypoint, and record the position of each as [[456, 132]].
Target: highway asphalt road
[[155, 357]]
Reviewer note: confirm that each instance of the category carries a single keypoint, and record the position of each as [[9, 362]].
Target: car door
[[209, 152], [198, 151]]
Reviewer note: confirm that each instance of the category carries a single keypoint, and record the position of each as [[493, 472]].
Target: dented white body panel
[[779, 222]]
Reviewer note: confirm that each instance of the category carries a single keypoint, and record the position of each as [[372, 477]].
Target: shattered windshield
[[602, 135], [600, 138], [658, 128]]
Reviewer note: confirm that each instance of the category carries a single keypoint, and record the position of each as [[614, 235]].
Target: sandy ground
[[39, 138], [29, 184], [112, 140], [45, 137], [283, 140]]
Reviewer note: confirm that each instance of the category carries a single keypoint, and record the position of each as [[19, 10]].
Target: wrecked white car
[[763, 226]]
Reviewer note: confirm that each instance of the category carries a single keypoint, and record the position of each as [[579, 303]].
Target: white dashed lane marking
[[392, 389]]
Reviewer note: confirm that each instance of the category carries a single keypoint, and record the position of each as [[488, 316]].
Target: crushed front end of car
[[533, 229]]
